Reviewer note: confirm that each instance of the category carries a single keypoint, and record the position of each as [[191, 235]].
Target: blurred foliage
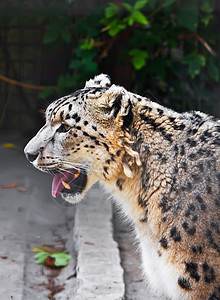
[[170, 45]]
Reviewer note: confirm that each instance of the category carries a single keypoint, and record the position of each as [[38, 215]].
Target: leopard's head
[[85, 139]]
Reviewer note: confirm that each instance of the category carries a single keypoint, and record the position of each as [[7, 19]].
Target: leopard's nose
[[31, 156]]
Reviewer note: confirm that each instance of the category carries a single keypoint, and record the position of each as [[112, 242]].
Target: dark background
[[23, 59]]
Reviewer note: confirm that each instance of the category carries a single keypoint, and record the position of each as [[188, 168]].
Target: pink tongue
[[66, 176]]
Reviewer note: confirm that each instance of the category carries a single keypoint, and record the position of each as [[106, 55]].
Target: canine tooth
[[77, 174], [66, 185]]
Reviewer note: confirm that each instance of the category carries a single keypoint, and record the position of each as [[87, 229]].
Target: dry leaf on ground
[[10, 146], [9, 186], [22, 189]]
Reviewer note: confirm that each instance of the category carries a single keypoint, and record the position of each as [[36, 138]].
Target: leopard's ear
[[101, 80], [120, 105]]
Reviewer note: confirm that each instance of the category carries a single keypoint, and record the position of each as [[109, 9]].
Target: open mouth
[[70, 181]]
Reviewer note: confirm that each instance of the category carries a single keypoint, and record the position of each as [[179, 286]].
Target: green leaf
[[138, 58], [86, 45], [131, 20], [121, 26], [88, 56], [116, 27], [75, 63], [50, 36], [41, 254], [206, 8], [205, 20], [138, 62], [168, 2], [70, 1], [194, 62], [114, 31], [61, 259], [140, 4], [40, 261], [65, 35], [111, 10], [188, 17], [113, 23], [138, 52], [91, 66], [139, 17], [40, 257], [127, 6], [213, 70]]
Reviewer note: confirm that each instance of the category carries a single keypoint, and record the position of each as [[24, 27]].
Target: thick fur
[[162, 167]]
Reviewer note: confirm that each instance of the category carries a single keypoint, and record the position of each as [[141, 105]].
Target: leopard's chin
[[72, 198]]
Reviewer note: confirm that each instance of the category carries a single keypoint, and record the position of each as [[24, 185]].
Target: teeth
[[77, 174], [66, 185]]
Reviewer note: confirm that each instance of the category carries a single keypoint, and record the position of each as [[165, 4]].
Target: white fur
[[101, 80], [72, 199], [42, 139], [161, 277]]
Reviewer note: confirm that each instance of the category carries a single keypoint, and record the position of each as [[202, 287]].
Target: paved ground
[[105, 264], [29, 217], [98, 266]]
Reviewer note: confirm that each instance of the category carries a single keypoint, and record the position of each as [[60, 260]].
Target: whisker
[[62, 164], [84, 167]]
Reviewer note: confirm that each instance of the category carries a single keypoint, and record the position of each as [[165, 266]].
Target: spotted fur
[[162, 167]]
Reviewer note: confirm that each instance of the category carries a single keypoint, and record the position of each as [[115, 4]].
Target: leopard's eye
[[63, 128]]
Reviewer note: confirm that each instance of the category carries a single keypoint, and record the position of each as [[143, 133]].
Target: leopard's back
[[182, 242]]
